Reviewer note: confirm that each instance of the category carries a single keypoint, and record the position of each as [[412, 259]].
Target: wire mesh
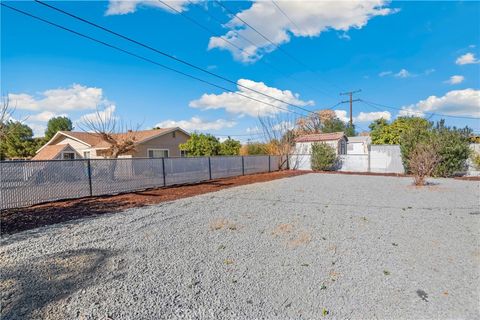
[[256, 164], [186, 170], [30, 182], [110, 176], [223, 167], [25, 183]]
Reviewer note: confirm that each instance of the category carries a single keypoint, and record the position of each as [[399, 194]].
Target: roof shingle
[[320, 137]]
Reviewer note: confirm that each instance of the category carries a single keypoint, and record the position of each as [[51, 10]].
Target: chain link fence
[[25, 183]]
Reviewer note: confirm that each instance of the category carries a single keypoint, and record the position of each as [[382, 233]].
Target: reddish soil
[[365, 173], [16, 220]]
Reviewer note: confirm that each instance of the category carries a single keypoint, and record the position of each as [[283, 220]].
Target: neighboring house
[[338, 140], [157, 143], [358, 145]]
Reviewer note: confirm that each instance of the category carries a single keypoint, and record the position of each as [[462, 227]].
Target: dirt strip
[[16, 220]]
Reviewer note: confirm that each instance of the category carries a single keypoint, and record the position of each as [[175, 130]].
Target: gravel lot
[[311, 246]]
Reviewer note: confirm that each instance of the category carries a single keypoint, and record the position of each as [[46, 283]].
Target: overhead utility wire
[[430, 113], [168, 55], [144, 58], [239, 48], [273, 43]]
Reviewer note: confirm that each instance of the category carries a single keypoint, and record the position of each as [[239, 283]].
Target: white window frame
[[85, 154], [63, 155], [183, 153], [157, 149]]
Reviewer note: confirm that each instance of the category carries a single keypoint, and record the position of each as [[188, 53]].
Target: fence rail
[[25, 183]]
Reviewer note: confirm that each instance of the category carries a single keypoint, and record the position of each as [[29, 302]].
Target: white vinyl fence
[[25, 183]]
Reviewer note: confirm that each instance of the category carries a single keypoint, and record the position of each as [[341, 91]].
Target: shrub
[[324, 157], [423, 161], [476, 160], [453, 148]]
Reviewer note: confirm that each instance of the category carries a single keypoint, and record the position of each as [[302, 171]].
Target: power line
[[231, 43], [273, 43], [413, 112], [144, 58], [286, 16], [167, 55]]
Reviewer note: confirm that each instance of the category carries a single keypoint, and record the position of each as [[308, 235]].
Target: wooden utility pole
[[351, 100]]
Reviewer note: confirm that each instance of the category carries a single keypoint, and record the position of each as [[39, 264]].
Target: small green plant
[[305, 264], [221, 247], [228, 261], [323, 287], [324, 157], [386, 272], [325, 312]]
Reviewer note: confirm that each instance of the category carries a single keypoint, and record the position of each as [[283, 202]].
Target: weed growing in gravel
[[222, 223], [323, 287], [221, 247], [228, 261], [325, 312], [305, 265], [386, 272], [394, 244]]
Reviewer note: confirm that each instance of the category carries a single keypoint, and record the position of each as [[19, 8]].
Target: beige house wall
[[166, 141]]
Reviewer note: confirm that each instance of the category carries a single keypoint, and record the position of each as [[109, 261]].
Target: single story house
[[338, 140], [156, 143], [358, 145]]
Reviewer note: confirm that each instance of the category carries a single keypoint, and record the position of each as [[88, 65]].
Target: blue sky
[[421, 57]]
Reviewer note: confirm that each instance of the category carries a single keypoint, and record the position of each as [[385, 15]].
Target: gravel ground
[[308, 247]]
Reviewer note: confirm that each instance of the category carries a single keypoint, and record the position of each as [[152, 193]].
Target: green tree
[[18, 142], [350, 130], [230, 147], [57, 124], [384, 133], [333, 125], [255, 148], [201, 144], [324, 157], [451, 145]]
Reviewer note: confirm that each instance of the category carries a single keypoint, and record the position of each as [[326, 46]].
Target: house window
[[157, 153], [183, 153], [173, 134], [343, 147], [68, 155], [86, 154]]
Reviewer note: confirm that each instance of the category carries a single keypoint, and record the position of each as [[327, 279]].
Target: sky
[[408, 58]]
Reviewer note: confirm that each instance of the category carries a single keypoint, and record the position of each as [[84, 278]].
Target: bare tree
[[120, 138], [422, 162], [6, 112], [314, 122], [279, 135]]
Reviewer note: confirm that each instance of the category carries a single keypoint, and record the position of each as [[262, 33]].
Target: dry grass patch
[[222, 223], [303, 238], [282, 229]]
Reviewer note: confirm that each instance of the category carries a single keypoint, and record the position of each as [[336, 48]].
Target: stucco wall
[[163, 142], [386, 158]]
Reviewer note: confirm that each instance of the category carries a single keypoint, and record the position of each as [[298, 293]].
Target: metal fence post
[[269, 164], [209, 169], [243, 166], [89, 172], [288, 162], [163, 172]]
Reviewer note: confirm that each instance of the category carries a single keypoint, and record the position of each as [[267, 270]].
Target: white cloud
[[385, 73], [44, 116], [197, 124], [370, 116], [98, 117], [404, 73], [363, 116], [467, 58], [310, 19], [76, 97], [455, 79], [342, 115], [234, 103], [38, 129], [119, 7], [457, 102]]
